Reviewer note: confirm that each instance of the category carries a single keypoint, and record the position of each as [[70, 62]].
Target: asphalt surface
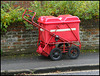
[[32, 62]]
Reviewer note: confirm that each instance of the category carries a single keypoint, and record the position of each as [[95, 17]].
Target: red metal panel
[[63, 30]]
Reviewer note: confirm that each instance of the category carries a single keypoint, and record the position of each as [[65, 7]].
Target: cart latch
[[57, 38]]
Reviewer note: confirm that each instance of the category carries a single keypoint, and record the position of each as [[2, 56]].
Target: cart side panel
[[42, 33], [60, 26], [63, 31]]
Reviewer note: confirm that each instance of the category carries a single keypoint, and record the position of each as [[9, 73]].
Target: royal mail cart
[[57, 35]]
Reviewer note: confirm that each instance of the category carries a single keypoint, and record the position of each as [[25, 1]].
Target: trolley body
[[58, 26], [62, 30]]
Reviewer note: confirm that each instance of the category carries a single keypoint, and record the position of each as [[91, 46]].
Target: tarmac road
[[41, 62]]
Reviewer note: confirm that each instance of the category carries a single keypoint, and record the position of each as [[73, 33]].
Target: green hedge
[[83, 9]]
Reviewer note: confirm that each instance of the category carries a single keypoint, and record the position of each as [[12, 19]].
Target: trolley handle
[[30, 10], [28, 15]]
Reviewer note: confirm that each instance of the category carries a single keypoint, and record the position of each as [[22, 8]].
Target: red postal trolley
[[57, 35]]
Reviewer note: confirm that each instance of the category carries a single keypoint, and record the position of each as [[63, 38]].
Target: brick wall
[[18, 39], [89, 38]]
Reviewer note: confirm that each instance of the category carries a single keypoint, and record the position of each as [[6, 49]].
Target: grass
[[32, 55], [36, 54], [90, 51]]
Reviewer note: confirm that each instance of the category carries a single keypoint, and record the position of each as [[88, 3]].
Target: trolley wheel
[[73, 52], [55, 54]]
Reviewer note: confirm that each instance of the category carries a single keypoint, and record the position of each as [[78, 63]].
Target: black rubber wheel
[[73, 52], [55, 54]]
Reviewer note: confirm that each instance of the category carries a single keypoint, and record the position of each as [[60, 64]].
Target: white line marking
[[61, 30], [59, 72]]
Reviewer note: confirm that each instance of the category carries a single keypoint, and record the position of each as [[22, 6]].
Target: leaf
[[4, 29], [5, 25]]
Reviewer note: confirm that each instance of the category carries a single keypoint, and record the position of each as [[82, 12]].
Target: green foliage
[[9, 15], [83, 9]]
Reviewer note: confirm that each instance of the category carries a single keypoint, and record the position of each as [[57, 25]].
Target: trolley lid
[[69, 18], [59, 19]]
